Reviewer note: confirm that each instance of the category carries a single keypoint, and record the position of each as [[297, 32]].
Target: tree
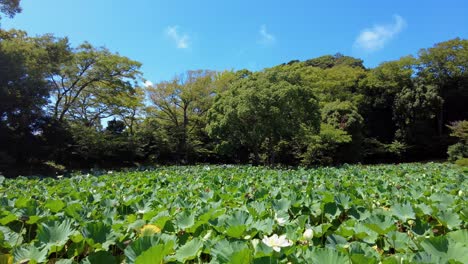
[[344, 116], [23, 90], [415, 111], [131, 109], [322, 148], [379, 89], [10, 7], [89, 84], [115, 127], [329, 61], [337, 83], [446, 67], [261, 113], [110, 148], [459, 150], [180, 106]]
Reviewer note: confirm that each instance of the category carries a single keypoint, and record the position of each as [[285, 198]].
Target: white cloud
[[181, 40], [148, 83], [375, 38], [265, 37]]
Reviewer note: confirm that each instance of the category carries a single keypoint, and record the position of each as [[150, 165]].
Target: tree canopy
[[85, 106], [10, 7]]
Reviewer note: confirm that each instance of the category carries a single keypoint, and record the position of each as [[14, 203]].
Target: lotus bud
[[308, 234], [207, 236]]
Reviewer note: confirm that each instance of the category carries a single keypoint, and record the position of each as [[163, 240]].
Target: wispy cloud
[[375, 38], [265, 36], [181, 40], [148, 83]]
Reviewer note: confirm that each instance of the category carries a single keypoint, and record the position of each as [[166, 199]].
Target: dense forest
[[65, 107]]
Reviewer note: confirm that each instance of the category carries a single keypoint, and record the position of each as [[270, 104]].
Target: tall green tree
[[330, 61], [262, 113], [131, 109], [415, 112], [446, 67], [344, 115], [10, 7], [24, 90], [459, 150], [379, 89], [180, 105], [90, 83]]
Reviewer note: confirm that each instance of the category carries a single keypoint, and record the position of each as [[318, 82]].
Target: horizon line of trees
[[70, 108]]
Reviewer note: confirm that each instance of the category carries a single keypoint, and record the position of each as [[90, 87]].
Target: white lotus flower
[[276, 242], [308, 234], [207, 236], [281, 220]]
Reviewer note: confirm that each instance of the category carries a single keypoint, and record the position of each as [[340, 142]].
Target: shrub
[[462, 162], [459, 150]]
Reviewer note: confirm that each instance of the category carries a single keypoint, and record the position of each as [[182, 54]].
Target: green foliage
[[154, 254], [414, 111], [462, 162], [444, 65], [374, 148], [23, 90], [231, 252], [55, 100], [345, 116], [379, 89], [97, 148], [231, 214], [10, 7], [448, 59], [321, 148], [180, 107], [459, 151], [260, 112], [337, 83], [54, 234], [91, 83], [329, 61], [29, 254], [189, 251], [460, 131], [57, 167], [445, 250], [326, 255], [99, 257]]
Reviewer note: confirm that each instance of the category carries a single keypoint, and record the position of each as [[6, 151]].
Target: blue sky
[[170, 37]]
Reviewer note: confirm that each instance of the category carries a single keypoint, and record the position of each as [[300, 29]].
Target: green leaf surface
[[29, 253], [189, 251], [99, 258]]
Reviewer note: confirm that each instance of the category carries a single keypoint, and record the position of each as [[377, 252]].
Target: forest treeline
[[65, 107]]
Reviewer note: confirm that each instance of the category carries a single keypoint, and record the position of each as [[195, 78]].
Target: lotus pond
[[408, 213]]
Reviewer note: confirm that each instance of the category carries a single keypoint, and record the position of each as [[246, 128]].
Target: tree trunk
[[440, 120], [256, 160], [184, 136]]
